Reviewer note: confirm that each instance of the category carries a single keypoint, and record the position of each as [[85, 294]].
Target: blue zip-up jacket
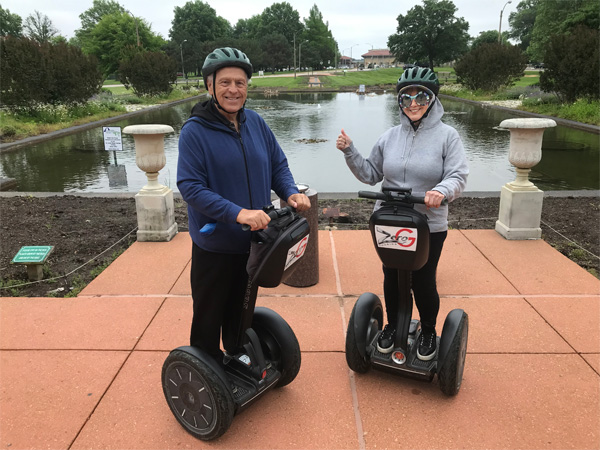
[[220, 172]]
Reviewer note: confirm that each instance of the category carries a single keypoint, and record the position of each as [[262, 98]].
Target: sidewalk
[[85, 372]]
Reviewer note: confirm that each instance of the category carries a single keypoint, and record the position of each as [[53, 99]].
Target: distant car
[[409, 66]]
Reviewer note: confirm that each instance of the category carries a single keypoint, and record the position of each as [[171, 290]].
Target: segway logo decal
[[396, 238], [296, 252]]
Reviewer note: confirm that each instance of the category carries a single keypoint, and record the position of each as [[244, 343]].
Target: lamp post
[[181, 51], [351, 60], [137, 31], [295, 53], [500, 26], [300, 53]]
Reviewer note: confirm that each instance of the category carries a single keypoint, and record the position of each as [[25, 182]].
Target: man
[[229, 160]]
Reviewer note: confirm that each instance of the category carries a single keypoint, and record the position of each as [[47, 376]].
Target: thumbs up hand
[[343, 141]]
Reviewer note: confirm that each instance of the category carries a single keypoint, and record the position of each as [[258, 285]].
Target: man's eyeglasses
[[422, 99]]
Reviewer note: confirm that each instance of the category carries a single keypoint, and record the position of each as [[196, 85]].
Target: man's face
[[231, 88]]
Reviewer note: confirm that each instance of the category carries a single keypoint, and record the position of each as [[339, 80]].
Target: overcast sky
[[357, 25]]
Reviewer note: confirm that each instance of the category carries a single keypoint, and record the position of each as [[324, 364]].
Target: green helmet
[[421, 76], [226, 57]]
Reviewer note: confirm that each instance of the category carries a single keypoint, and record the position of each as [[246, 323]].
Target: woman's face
[[415, 111]]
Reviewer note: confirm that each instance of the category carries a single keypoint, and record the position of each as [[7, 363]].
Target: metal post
[[181, 51], [500, 26]]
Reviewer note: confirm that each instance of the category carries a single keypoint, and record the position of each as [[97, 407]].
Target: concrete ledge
[[322, 195]]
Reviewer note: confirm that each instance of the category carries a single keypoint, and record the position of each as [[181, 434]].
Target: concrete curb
[[321, 195]]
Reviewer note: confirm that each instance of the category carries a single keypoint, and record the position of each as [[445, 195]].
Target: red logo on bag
[[404, 240]]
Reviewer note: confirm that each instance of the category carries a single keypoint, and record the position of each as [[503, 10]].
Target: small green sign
[[32, 254]]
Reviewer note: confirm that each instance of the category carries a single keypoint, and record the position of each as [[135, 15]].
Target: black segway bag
[[275, 250], [401, 237]]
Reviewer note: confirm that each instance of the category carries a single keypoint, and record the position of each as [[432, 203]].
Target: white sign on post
[[112, 138]]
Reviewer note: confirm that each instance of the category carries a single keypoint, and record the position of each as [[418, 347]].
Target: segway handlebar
[[273, 214], [396, 195]]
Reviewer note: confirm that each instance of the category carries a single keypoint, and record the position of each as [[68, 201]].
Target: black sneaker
[[427, 345], [385, 342]]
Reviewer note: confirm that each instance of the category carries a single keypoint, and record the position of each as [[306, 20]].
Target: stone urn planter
[[520, 200], [154, 202], [525, 147]]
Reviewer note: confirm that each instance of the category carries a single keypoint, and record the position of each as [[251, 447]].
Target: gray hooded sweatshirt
[[430, 158]]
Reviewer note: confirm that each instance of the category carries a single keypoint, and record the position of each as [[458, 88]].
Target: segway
[[203, 395], [401, 237]]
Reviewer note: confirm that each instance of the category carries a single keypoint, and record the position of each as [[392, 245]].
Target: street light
[[500, 26], [137, 31], [181, 51], [351, 60], [300, 53], [295, 52]]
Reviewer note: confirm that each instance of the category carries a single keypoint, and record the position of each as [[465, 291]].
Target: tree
[[488, 37], [247, 28], [92, 16], [148, 73], [522, 21], [113, 34], [561, 17], [490, 66], [10, 24], [277, 52], [280, 18], [39, 28], [198, 23], [430, 32], [572, 65], [320, 46]]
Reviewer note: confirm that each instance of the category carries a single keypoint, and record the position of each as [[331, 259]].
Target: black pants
[[218, 286], [424, 286]]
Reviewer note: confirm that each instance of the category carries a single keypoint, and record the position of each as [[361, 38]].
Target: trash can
[[307, 272]]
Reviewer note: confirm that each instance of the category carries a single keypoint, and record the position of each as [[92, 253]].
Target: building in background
[[379, 58]]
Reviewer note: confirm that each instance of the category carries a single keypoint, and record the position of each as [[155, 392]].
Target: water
[[306, 126]]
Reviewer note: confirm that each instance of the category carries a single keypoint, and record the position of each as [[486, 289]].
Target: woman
[[426, 155]]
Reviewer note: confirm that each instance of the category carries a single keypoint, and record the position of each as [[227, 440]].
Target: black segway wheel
[[365, 322], [451, 373], [279, 343], [199, 399]]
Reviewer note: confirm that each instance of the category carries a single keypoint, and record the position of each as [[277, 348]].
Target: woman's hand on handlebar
[[299, 201], [256, 219], [343, 141], [433, 199]]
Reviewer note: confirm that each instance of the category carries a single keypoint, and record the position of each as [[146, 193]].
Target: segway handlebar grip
[[273, 214], [417, 199], [372, 195]]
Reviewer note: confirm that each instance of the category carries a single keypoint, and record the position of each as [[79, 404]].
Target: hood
[[433, 118]]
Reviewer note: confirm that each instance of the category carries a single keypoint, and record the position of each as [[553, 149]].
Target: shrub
[[45, 73], [148, 73], [572, 65], [490, 67]]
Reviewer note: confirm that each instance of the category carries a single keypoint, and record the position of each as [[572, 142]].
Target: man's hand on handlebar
[[299, 201], [256, 219], [433, 199]]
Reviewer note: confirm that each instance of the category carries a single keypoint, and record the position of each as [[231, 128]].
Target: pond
[[306, 126]]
